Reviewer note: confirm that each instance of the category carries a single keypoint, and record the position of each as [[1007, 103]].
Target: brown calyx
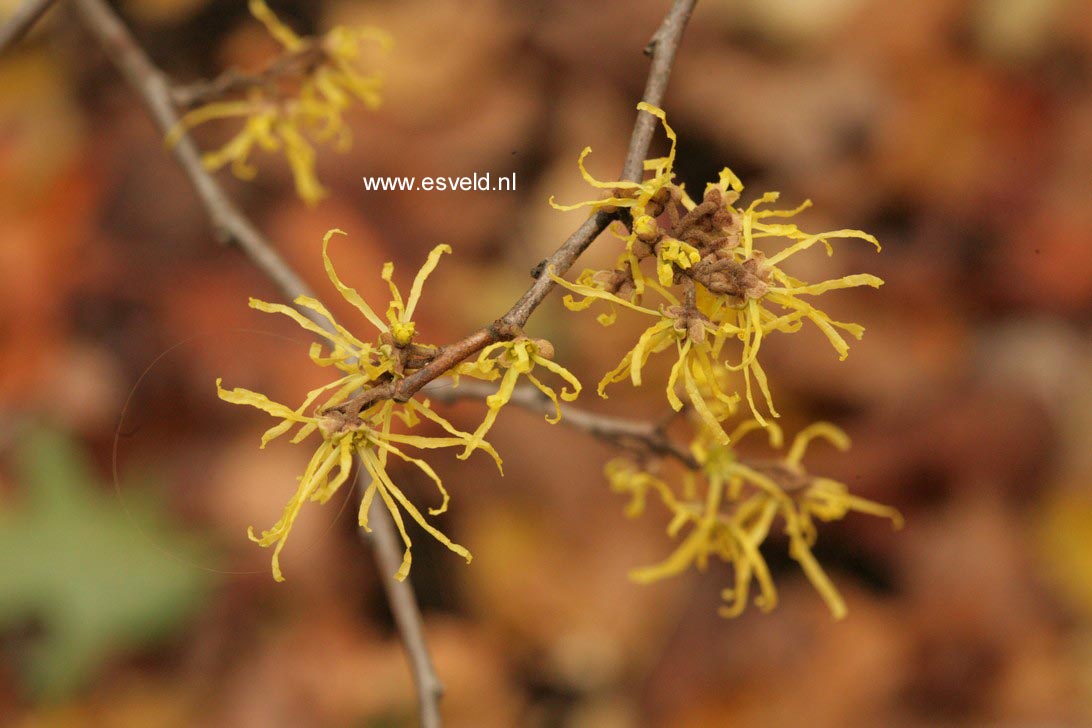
[[408, 357], [721, 273], [689, 319], [619, 282], [710, 226]]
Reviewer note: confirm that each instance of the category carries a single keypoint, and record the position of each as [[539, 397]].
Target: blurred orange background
[[955, 131]]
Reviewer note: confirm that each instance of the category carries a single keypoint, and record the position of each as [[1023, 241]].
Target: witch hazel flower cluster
[[299, 100], [708, 276], [350, 420]]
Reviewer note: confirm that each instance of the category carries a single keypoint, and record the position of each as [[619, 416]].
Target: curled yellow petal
[[238, 395], [422, 276], [348, 293], [284, 35]]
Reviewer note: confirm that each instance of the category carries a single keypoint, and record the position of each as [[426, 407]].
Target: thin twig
[[621, 432], [201, 92], [233, 81], [662, 49], [232, 226], [21, 21], [638, 436], [403, 603]]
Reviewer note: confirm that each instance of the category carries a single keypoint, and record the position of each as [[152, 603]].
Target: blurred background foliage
[[956, 131]]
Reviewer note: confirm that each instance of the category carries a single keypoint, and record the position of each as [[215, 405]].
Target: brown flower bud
[[696, 331], [545, 348]]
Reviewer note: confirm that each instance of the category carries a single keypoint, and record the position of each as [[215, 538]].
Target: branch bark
[[403, 603], [21, 21], [621, 432]]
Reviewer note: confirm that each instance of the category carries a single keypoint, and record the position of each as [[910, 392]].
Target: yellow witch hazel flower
[[350, 424], [735, 514], [680, 326], [636, 196], [518, 357], [733, 287], [298, 99]]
